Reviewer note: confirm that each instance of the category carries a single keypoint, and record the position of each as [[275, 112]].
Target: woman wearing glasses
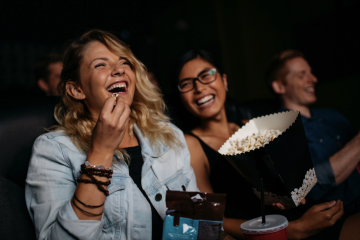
[[202, 87]]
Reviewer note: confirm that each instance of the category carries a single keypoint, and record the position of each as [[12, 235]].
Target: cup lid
[[274, 223]]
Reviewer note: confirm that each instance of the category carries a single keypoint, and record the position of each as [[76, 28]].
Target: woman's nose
[[118, 70], [198, 86]]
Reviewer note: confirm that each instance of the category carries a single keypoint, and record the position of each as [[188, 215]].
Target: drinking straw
[[262, 201]]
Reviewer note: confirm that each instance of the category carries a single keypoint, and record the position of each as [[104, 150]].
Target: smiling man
[[334, 147]]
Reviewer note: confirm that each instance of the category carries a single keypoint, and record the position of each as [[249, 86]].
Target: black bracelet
[[93, 181], [96, 173], [97, 183], [103, 190], [86, 205], [93, 214], [84, 168]]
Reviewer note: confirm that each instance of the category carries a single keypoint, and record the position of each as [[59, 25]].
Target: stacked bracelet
[[97, 183], [93, 214], [91, 171], [96, 172], [86, 205], [94, 181], [99, 167]]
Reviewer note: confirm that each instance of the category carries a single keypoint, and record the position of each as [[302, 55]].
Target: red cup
[[273, 229]]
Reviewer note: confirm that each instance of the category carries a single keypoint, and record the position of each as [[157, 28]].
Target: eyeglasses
[[205, 77]]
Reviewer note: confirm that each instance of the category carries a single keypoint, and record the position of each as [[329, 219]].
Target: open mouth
[[310, 90], [205, 100], [117, 88]]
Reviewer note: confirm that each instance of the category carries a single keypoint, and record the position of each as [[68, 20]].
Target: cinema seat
[[15, 222], [21, 122]]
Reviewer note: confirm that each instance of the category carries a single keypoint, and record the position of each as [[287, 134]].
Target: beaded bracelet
[[99, 167], [96, 170], [93, 181], [93, 214], [100, 170], [97, 183], [87, 205], [96, 173]]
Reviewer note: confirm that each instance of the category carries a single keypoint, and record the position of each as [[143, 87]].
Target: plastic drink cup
[[273, 229]]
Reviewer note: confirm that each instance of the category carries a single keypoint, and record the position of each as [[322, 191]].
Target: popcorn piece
[[256, 140], [114, 95]]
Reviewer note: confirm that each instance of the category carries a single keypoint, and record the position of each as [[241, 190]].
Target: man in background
[[333, 144], [47, 73], [152, 78]]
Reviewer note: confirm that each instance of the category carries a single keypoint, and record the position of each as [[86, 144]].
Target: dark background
[[243, 34]]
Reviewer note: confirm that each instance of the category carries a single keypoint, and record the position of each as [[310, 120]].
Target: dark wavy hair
[[190, 55], [181, 116]]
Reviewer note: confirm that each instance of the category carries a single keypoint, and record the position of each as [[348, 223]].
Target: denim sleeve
[[326, 180], [49, 188], [325, 174]]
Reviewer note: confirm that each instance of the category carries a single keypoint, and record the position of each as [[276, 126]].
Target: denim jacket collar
[[146, 146]]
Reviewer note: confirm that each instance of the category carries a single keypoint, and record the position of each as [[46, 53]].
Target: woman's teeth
[[205, 99], [120, 87], [309, 89]]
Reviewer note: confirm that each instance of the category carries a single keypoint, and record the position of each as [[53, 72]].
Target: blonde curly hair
[[147, 109]]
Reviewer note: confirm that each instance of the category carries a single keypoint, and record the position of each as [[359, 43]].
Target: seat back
[[21, 122], [15, 222]]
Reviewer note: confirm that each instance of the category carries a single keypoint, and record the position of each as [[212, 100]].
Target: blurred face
[[103, 73], [299, 83], [205, 100], [152, 78], [54, 78]]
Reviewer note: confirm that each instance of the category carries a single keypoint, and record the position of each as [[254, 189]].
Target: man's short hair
[[273, 71], [41, 69]]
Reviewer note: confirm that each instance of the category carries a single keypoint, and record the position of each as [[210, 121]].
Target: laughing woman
[[202, 89], [103, 173]]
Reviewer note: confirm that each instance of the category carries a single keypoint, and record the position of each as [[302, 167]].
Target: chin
[[310, 101], [207, 114]]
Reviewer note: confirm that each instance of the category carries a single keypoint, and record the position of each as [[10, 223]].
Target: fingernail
[[333, 202]]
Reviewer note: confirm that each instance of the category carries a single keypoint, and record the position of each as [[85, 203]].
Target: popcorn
[[308, 183], [114, 95], [298, 161], [256, 140]]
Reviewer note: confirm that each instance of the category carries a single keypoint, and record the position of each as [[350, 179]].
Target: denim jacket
[[51, 183]]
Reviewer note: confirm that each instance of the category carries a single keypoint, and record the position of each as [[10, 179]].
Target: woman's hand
[[109, 131], [316, 219]]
